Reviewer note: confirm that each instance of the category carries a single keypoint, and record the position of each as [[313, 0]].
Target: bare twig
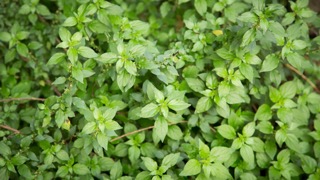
[[22, 99], [54, 87], [303, 77], [140, 130], [10, 129]]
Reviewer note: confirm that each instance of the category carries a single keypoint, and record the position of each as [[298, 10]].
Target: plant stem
[[303, 77], [140, 130], [22, 99], [10, 129]]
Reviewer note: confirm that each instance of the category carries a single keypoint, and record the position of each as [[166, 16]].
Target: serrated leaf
[[77, 74], [248, 129], [295, 59], [220, 154]]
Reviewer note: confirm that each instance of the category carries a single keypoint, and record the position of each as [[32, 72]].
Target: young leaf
[[248, 129], [103, 140], [247, 154], [195, 84], [247, 71]]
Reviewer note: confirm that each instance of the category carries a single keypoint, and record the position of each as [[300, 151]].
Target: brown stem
[[10, 129], [54, 87], [22, 99], [303, 77], [140, 130]]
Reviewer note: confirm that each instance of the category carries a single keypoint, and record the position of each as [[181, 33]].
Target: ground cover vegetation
[[150, 89]]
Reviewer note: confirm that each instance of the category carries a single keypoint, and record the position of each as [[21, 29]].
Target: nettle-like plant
[[180, 89]]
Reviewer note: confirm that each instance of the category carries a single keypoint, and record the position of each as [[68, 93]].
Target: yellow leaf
[[217, 32]]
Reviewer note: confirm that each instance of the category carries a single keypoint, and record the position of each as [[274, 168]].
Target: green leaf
[[134, 154], [309, 164], [284, 156], [62, 171], [293, 143], [277, 29], [22, 35], [288, 90], [25, 172], [178, 105], [247, 154], [274, 94], [18, 160], [149, 110], [227, 131], [59, 80], [150, 164], [22, 49], [89, 128], [87, 52], [281, 137], [270, 63], [204, 150], [165, 9], [225, 54], [174, 132], [193, 167], [62, 155], [5, 36], [107, 58], [56, 58], [247, 71], [204, 104], [103, 140], [271, 148], [201, 6], [195, 84], [116, 170], [59, 118], [170, 160], [24, 9], [72, 55], [248, 37], [161, 127], [248, 129], [265, 127], [77, 74], [220, 154], [64, 34], [220, 171], [295, 59], [43, 10], [80, 169], [70, 21], [263, 113]]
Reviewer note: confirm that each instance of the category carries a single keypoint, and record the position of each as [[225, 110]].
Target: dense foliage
[[150, 89]]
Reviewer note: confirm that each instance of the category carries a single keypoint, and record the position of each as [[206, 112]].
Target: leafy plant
[[200, 89]]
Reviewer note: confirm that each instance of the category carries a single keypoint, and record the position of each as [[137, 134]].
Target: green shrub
[[147, 89]]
